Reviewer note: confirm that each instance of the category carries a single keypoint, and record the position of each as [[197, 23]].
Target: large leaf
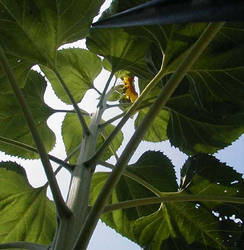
[[206, 110], [177, 221], [156, 169], [20, 69], [177, 225], [12, 121], [205, 175], [35, 29], [121, 50], [207, 114], [194, 130], [158, 130], [26, 214], [78, 68], [72, 136], [153, 168]]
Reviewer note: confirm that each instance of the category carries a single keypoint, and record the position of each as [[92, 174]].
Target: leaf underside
[[26, 214]]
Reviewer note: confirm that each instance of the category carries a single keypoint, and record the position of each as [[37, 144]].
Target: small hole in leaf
[[197, 205]]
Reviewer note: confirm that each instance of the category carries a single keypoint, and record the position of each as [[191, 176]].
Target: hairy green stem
[[94, 215], [32, 149], [75, 105], [23, 245], [78, 196], [62, 209], [172, 198], [71, 167]]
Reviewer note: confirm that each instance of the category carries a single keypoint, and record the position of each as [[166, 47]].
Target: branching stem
[[186, 64], [128, 114]]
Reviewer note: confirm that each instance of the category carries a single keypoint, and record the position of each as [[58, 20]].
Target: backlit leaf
[[26, 214], [72, 137], [121, 50], [12, 121], [181, 225], [35, 29], [78, 68]]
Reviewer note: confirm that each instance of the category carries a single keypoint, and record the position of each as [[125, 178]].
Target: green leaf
[[12, 121], [72, 136], [156, 169], [35, 29], [120, 50], [26, 214], [78, 68], [207, 168], [205, 175], [158, 131], [194, 130], [183, 225], [153, 168], [206, 111], [20, 69], [178, 221]]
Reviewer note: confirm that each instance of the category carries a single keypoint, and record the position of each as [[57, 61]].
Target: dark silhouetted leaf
[[170, 11], [205, 175], [206, 111]]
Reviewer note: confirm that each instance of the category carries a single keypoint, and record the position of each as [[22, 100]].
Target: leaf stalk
[[75, 105], [172, 198], [32, 149]]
